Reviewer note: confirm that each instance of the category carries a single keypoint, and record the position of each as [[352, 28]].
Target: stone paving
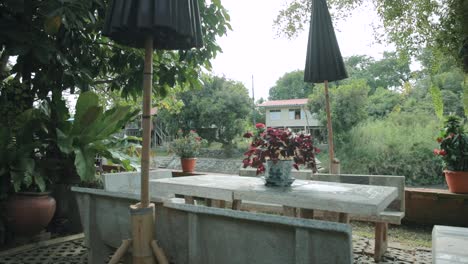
[[74, 252]]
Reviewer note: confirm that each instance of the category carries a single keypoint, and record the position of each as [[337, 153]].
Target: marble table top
[[329, 196]]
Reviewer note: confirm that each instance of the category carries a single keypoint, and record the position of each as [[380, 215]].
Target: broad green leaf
[[52, 24], [39, 180], [437, 101], [64, 142], [85, 101], [84, 163]]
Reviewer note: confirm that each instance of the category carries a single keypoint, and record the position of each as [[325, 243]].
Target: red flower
[[442, 152], [439, 139], [248, 135], [260, 125]]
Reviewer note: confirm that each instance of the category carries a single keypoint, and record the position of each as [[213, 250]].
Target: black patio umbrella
[[150, 24], [324, 62]]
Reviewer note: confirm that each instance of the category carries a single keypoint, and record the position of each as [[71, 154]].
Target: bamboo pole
[[159, 253], [120, 251], [146, 121], [329, 128], [142, 221]]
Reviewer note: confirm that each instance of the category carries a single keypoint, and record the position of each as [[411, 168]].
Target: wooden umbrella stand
[[144, 247]]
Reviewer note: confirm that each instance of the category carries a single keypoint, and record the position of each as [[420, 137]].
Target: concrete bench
[[394, 212], [198, 235], [449, 245]]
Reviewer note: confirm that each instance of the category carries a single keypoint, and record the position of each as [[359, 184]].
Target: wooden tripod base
[[144, 247]]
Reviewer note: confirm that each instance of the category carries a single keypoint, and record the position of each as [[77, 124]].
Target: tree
[[218, 112], [391, 72], [348, 105], [59, 46], [409, 24], [382, 102], [290, 86]]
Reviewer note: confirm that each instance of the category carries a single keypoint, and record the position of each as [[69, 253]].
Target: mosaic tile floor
[[74, 252]]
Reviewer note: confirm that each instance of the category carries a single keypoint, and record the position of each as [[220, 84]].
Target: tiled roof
[[301, 101]]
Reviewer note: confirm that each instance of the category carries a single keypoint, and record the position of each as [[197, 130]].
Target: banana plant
[[91, 133]]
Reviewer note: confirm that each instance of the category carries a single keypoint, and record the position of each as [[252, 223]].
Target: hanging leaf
[[52, 24], [437, 101]]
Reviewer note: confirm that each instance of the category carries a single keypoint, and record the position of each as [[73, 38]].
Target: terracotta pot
[[188, 164], [28, 214], [457, 181]]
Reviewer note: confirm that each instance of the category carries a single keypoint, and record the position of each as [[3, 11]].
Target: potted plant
[[281, 150], [28, 207], [187, 147], [454, 153]]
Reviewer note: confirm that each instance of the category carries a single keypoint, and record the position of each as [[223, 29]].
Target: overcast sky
[[252, 48]]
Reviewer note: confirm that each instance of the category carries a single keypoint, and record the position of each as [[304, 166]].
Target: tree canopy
[[290, 86], [409, 24], [218, 112]]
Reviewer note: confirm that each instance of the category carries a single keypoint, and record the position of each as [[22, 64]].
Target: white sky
[[253, 49]]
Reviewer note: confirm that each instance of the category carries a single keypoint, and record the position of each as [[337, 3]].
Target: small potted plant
[[281, 150], [454, 153], [187, 147]]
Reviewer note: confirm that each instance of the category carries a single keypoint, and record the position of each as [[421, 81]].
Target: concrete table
[[449, 245], [309, 195]]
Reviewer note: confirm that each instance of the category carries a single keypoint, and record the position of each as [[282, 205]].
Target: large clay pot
[[457, 181], [188, 164], [28, 214]]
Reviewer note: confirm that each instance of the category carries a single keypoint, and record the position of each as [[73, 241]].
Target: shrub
[[401, 144]]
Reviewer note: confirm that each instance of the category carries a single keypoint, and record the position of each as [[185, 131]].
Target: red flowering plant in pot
[[281, 150], [454, 153]]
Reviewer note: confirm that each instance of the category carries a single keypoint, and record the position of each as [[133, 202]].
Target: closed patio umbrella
[[324, 62], [150, 24]]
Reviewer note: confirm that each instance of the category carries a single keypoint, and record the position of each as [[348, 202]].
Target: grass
[[409, 235]]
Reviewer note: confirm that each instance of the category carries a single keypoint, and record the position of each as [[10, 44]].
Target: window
[[295, 114], [275, 114]]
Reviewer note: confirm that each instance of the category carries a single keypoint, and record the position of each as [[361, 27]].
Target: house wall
[[307, 120]]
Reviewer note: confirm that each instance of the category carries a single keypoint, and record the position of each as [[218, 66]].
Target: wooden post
[[236, 204], [120, 251], [335, 167], [189, 199], [343, 218], [329, 127], [159, 253], [142, 221], [381, 242], [146, 122]]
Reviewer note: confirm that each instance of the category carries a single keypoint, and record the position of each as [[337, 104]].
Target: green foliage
[[290, 86], [391, 72], [348, 105], [383, 102], [187, 146], [91, 132], [218, 112], [400, 144], [453, 145], [437, 101], [409, 24]]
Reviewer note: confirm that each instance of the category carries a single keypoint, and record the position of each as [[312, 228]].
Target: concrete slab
[[449, 245], [129, 182], [330, 196]]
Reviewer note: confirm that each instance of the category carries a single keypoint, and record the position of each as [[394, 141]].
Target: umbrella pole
[[144, 247], [330, 130]]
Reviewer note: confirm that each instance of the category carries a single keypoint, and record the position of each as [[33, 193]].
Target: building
[[292, 114]]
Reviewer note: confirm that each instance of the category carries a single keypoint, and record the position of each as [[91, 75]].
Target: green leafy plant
[[187, 146], [91, 133], [453, 145], [279, 144]]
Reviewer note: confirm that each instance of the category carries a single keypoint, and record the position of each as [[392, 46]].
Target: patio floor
[[71, 250]]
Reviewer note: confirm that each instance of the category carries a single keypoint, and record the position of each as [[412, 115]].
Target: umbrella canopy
[[173, 24], [324, 61]]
